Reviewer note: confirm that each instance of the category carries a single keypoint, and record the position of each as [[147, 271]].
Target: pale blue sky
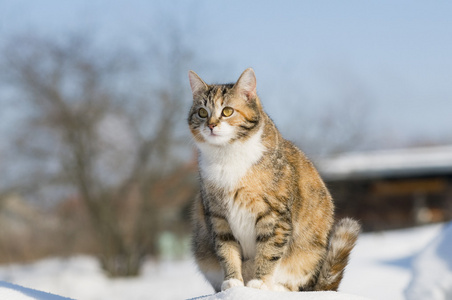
[[308, 55]]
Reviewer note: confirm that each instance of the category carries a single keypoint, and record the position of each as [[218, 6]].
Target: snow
[[253, 294], [432, 270], [81, 278], [12, 291], [404, 264], [380, 266]]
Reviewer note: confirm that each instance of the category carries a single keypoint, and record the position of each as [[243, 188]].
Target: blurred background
[[95, 155]]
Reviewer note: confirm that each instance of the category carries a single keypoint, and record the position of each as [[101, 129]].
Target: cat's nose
[[211, 126]]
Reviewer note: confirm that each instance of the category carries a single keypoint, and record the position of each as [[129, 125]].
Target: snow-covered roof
[[388, 163]]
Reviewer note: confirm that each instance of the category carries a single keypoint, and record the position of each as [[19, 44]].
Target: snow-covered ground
[[432, 269], [381, 267]]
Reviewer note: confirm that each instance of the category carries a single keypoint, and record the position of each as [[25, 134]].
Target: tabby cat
[[264, 217]]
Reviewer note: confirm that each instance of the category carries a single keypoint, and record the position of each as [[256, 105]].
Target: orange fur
[[264, 216]]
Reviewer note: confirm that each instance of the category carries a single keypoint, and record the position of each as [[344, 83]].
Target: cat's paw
[[227, 284], [257, 284]]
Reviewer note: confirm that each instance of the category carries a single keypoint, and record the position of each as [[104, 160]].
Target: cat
[[264, 217]]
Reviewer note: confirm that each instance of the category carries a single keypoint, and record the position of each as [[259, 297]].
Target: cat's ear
[[246, 85], [196, 83]]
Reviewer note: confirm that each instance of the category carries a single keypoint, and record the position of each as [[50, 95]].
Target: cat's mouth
[[213, 133], [217, 135], [216, 138], [210, 134]]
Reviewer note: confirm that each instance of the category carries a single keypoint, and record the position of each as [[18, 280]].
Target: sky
[[394, 58]]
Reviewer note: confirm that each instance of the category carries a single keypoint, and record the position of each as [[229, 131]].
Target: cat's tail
[[342, 240]]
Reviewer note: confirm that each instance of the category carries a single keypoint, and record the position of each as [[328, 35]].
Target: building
[[392, 188]]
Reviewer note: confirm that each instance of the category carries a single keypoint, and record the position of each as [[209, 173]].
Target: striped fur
[[263, 217], [343, 239]]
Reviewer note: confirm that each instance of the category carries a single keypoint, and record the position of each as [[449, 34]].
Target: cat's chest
[[222, 169], [225, 174], [226, 166]]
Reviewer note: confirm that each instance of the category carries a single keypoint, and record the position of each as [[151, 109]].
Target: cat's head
[[224, 113]]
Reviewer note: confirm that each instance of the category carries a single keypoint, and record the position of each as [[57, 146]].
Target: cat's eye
[[202, 112], [227, 111]]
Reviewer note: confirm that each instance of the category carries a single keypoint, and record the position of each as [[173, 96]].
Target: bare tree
[[96, 126]]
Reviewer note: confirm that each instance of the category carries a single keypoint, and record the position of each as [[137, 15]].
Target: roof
[[388, 163]]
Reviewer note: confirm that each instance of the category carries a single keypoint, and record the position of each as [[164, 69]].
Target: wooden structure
[[393, 188]]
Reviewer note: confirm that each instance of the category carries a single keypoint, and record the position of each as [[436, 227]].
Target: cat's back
[[290, 175], [282, 153]]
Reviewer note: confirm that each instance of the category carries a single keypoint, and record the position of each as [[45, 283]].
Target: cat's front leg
[[228, 251], [273, 230]]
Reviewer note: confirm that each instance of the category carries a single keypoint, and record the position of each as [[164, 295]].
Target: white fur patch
[[227, 284], [243, 226], [257, 284], [225, 165]]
